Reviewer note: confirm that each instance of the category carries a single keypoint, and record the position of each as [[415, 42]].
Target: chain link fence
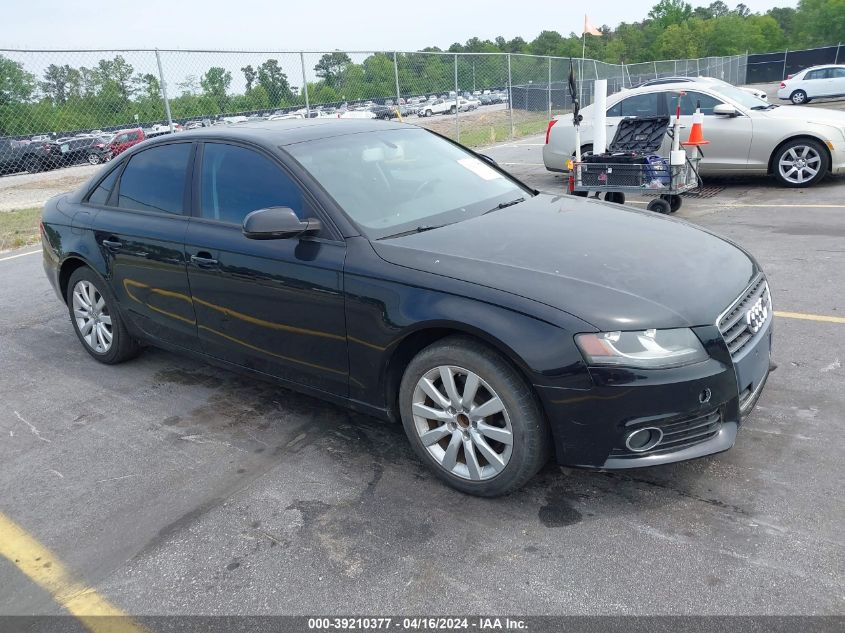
[[64, 107]]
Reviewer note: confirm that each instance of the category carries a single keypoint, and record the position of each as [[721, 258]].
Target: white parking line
[[3, 259]]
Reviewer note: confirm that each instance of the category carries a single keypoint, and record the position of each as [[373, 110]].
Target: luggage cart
[[631, 166], [617, 179]]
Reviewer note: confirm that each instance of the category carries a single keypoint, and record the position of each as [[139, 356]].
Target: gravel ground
[[23, 191]]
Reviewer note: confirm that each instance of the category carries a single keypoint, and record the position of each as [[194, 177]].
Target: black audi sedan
[[390, 270]]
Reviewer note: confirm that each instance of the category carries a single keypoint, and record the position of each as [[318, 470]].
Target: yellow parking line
[[810, 317], [42, 567]]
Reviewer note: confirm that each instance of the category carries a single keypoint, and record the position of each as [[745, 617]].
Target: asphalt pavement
[[172, 487]]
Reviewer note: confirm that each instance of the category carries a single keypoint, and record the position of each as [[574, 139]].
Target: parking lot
[[171, 487]]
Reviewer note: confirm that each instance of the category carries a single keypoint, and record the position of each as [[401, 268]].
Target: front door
[[141, 225], [730, 137], [275, 306]]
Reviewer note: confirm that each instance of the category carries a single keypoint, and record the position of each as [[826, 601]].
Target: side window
[[689, 101], [101, 194], [821, 73], [154, 180], [236, 181], [121, 138], [838, 73], [638, 105]]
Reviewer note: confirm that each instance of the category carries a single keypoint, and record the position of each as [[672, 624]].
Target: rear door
[[275, 306], [140, 227], [645, 104], [815, 83], [730, 137], [837, 80]]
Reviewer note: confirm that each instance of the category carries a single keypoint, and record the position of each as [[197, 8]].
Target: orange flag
[[589, 29]]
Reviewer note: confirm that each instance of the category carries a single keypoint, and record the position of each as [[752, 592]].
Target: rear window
[[101, 194], [154, 180]]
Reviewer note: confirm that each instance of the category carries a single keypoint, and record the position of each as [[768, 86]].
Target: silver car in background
[[747, 135]]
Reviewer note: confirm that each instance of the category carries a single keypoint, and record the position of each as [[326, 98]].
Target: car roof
[[289, 131]]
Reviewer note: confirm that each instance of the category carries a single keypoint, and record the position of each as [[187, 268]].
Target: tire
[[452, 110], [674, 201], [659, 205], [33, 165], [615, 196], [84, 289], [800, 163], [93, 158], [428, 113], [520, 420], [798, 97]]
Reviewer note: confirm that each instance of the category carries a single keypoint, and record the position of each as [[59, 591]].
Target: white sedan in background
[[747, 135], [811, 83]]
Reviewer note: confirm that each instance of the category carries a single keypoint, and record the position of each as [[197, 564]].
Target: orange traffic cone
[[696, 135]]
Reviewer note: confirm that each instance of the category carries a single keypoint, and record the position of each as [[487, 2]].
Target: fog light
[[643, 439]]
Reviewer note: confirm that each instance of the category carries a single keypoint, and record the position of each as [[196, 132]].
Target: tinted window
[[817, 74], [838, 73], [154, 180], [688, 103], [237, 181], [638, 105], [101, 193]]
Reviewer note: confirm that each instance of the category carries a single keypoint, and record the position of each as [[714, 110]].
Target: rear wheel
[[96, 320], [798, 97], [800, 163], [472, 418], [674, 202]]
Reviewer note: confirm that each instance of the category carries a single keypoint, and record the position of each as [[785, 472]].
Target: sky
[[315, 25]]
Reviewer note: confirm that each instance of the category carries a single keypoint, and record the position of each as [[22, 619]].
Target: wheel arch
[[798, 137], [69, 265], [427, 334]]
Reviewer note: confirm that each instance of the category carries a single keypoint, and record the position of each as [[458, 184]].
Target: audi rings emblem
[[757, 315]]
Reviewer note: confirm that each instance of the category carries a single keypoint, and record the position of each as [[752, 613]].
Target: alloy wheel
[[462, 423], [799, 164], [92, 317], [93, 158]]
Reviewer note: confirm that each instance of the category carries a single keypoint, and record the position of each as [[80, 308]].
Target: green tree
[[822, 21], [667, 12], [331, 67], [275, 82], [119, 73], [55, 84], [16, 84], [148, 85], [215, 83], [249, 76]]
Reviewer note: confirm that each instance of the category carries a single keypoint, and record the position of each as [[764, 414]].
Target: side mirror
[[723, 109], [275, 223], [489, 160]]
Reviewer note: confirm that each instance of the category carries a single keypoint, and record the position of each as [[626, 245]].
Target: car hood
[[810, 115], [611, 266]]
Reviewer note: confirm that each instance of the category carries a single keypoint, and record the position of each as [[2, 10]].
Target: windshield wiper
[[419, 229], [503, 205]]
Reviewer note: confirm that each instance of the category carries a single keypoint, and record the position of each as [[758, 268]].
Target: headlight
[[649, 349]]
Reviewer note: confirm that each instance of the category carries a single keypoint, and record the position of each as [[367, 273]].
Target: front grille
[[733, 324], [678, 433]]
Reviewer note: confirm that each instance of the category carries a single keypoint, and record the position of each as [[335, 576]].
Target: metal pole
[[163, 87], [785, 53], [836, 61], [396, 78], [510, 95], [655, 70], [550, 88], [457, 122], [305, 85]]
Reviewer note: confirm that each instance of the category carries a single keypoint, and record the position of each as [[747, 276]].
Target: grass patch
[[19, 227], [487, 135]]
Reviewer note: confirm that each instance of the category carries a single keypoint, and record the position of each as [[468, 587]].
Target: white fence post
[[163, 87], [305, 84]]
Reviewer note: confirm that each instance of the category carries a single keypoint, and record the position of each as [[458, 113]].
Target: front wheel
[[800, 163], [95, 318], [33, 165], [93, 158], [472, 418]]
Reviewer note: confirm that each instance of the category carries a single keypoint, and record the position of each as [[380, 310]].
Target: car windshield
[[399, 180], [743, 98]]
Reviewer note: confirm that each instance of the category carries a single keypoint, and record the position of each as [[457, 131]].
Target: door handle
[[203, 260], [112, 245]]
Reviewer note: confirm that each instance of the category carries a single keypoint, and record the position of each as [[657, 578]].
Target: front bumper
[[698, 409]]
